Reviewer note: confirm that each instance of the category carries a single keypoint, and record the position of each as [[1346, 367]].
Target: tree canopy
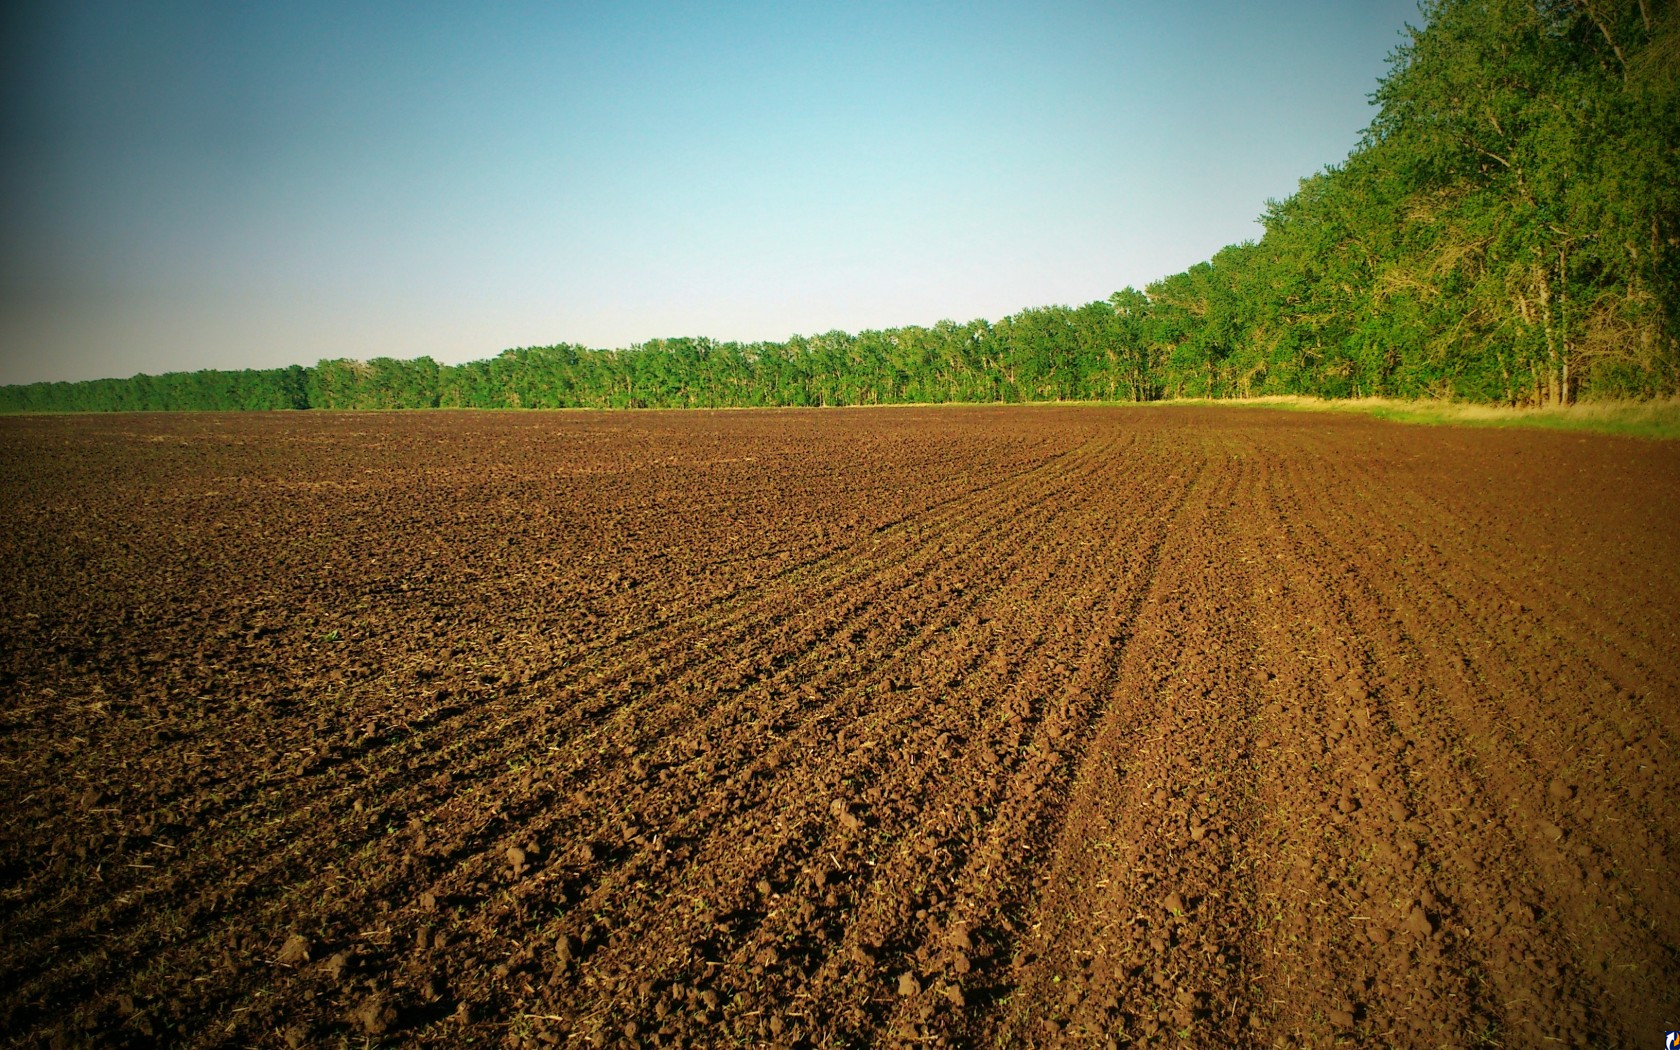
[[1508, 230]]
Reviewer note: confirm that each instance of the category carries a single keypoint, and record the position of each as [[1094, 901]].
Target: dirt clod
[[295, 951], [337, 965], [374, 1015], [1419, 923]]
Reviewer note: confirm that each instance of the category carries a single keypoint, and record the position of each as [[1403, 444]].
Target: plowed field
[[1037, 726]]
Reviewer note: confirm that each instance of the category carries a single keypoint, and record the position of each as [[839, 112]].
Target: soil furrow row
[[954, 726], [1498, 737]]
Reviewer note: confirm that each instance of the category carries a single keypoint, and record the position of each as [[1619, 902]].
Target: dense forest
[[1507, 231]]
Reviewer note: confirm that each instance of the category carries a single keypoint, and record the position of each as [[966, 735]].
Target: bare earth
[[975, 727]]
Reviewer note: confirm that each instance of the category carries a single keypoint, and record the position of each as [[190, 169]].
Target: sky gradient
[[228, 185]]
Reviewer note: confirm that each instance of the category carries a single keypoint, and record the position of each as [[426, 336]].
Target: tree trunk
[[1563, 321], [1554, 362], [1603, 28]]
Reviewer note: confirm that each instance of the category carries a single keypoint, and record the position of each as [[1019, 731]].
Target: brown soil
[[973, 726]]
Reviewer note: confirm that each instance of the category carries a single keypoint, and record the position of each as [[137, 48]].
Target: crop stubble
[[975, 726]]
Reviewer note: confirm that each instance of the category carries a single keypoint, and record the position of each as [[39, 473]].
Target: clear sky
[[232, 184]]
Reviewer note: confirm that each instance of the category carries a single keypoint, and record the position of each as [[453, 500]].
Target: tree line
[[1507, 230]]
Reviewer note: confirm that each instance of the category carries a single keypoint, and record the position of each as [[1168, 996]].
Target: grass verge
[[1646, 419]]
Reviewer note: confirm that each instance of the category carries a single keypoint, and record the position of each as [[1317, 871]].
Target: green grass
[[1645, 419], [1657, 419]]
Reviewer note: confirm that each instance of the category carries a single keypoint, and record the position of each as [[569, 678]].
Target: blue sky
[[226, 184]]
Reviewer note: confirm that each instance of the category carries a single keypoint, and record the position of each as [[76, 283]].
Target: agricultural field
[[962, 727]]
